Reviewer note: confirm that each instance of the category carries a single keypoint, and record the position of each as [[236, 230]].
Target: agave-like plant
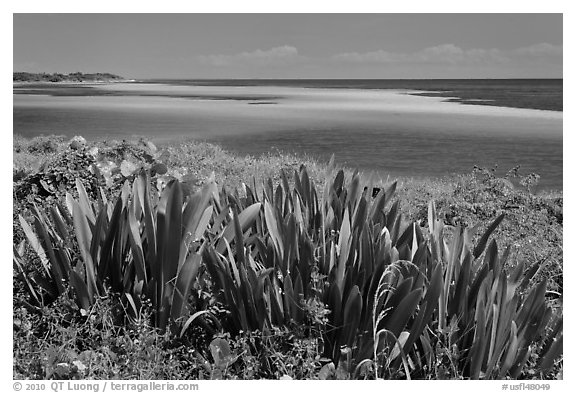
[[490, 314], [394, 295], [136, 246]]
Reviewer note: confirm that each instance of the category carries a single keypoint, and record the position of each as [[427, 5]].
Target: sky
[[291, 45]]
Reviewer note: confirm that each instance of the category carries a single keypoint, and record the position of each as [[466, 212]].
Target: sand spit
[[304, 108], [309, 99]]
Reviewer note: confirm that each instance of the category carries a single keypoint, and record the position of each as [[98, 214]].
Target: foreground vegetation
[[187, 262]]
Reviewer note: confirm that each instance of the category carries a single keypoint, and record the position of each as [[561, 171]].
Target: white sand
[[309, 108]]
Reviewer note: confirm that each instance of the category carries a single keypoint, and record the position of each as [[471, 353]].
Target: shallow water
[[384, 130]]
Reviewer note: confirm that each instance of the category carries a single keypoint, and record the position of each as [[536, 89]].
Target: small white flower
[[79, 365]]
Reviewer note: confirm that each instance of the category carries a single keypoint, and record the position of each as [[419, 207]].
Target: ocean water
[[396, 128]]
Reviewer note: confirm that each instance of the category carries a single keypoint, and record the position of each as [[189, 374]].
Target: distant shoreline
[[74, 77], [46, 84]]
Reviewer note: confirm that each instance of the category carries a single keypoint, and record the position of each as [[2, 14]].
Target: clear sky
[[291, 45]]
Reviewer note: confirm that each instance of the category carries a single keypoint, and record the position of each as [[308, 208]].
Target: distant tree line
[[57, 77]]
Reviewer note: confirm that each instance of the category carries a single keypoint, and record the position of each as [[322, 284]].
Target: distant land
[[72, 77]]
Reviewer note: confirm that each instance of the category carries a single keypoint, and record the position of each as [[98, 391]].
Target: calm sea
[[398, 143]]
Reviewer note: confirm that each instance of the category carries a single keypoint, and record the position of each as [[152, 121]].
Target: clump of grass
[[532, 227], [200, 159], [28, 155]]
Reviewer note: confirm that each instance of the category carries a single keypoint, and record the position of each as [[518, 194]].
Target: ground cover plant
[[138, 272]]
